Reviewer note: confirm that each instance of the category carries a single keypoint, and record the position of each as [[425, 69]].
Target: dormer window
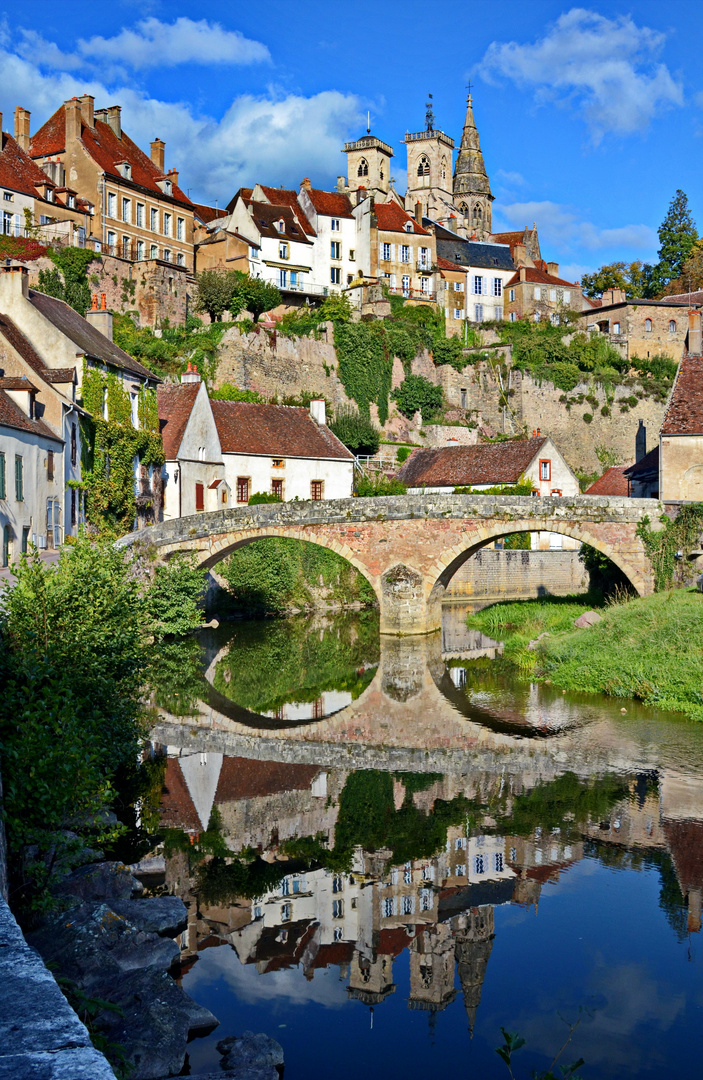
[[281, 226], [72, 202], [408, 226], [166, 185], [125, 170], [49, 195]]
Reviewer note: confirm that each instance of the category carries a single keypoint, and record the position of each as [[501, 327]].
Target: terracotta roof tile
[[274, 430], [244, 778], [462, 466], [208, 213], [12, 416], [286, 197], [685, 840], [59, 375], [392, 218], [106, 150], [175, 406], [330, 203], [539, 277], [17, 170], [16, 382], [446, 264], [612, 482], [266, 216], [177, 809], [684, 415]]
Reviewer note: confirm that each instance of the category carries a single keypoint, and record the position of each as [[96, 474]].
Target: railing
[[62, 232], [435, 133], [424, 264], [311, 290], [413, 294]]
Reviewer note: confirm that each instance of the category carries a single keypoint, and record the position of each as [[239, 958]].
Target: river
[[390, 849]]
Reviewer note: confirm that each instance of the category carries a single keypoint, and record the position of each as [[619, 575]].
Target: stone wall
[[281, 367], [491, 574]]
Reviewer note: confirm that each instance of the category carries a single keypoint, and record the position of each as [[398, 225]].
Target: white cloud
[[605, 67], [562, 227]]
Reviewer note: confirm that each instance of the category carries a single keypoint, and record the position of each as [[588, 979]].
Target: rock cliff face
[[277, 366]]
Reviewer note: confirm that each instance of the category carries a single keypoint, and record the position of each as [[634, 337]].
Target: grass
[[649, 648]]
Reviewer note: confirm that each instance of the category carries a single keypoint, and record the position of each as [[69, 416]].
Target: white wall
[[16, 206], [31, 511], [322, 261], [297, 475]]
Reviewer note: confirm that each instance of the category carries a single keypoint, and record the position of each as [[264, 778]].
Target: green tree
[[229, 392], [416, 392], [617, 275], [691, 278], [356, 431], [218, 291], [257, 295], [677, 237], [174, 600]]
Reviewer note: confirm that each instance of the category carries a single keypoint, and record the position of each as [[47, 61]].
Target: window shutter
[[19, 492], [2, 477]]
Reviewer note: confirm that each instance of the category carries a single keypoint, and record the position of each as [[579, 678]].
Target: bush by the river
[[519, 622]]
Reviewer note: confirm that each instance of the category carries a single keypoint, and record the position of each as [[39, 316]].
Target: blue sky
[[590, 117]]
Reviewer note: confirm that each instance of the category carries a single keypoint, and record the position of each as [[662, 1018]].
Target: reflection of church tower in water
[[474, 942], [432, 969], [472, 189]]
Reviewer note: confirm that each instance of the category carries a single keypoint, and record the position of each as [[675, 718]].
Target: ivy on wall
[[69, 281], [365, 366], [113, 445], [667, 549]]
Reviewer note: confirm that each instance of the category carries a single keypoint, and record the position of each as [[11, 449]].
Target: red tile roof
[[274, 431], [330, 203], [177, 810], [684, 415], [175, 406], [266, 216], [106, 150], [12, 416], [539, 277], [612, 482], [286, 197], [17, 382], [685, 840], [445, 264], [392, 218], [208, 213], [244, 778], [462, 466], [17, 170]]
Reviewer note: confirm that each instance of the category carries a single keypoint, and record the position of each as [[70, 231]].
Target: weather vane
[[429, 114], [468, 86]]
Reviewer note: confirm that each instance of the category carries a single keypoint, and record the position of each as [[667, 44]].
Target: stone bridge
[[409, 546]]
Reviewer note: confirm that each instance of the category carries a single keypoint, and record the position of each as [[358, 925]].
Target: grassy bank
[[519, 622], [650, 648]]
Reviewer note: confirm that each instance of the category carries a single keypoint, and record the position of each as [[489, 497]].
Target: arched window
[[464, 210], [616, 327], [478, 214], [444, 167], [363, 169], [672, 326], [381, 172], [423, 168], [647, 326]]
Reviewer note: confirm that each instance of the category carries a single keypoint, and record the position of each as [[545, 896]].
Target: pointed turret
[[472, 189]]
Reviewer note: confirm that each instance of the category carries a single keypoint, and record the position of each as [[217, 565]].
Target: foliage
[[677, 237], [356, 431], [69, 281], [174, 601], [269, 663], [403, 453], [170, 353], [512, 1042], [21, 248], [72, 665], [218, 291], [335, 308], [604, 576], [523, 487], [370, 487], [258, 296], [229, 392], [668, 547], [650, 648], [275, 574], [176, 676], [89, 1010], [365, 368], [416, 393], [691, 277], [264, 497], [541, 349], [617, 275]]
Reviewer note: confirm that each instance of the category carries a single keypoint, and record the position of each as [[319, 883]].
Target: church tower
[[430, 157], [472, 189], [369, 166]]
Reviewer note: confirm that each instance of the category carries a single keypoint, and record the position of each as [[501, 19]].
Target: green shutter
[[2, 477], [19, 479]]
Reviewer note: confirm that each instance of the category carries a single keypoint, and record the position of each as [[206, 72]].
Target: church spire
[[470, 176]]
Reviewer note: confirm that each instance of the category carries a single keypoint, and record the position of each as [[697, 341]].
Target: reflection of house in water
[[328, 703]]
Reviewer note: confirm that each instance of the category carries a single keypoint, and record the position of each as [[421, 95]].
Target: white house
[[194, 471], [495, 464], [334, 244], [279, 235], [283, 450]]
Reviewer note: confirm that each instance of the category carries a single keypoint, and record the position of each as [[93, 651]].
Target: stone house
[[140, 211], [193, 474], [451, 294], [681, 435], [640, 328], [487, 465], [397, 249], [488, 268], [538, 293], [32, 203]]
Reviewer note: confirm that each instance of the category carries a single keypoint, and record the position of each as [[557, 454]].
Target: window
[[278, 463], [167, 224], [479, 864], [672, 326], [283, 251], [316, 489], [464, 399], [424, 258], [478, 312], [334, 224], [25, 538], [513, 316], [554, 318], [389, 906], [553, 295], [498, 314], [335, 249], [242, 489], [497, 286], [277, 488], [498, 862], [71, 202], [111, 240], [167, 257], [335, 275], [338, 933], [567, 296], [425, 899], [286, 910], [74, 515], [154, 220], [352, 255], [616, 327], [141, 249], [458, 313], [126, 245], [647, 326], [406, 285], [385, 252], [423, 168], [140, 215], [3, 482], [50, 465], [337, 883], [404, 253], [199, 497], [282, 279], [536, 316], [127, 210], [545, 470], [538, 292], [363, 169], [337, 909], [7, 196], [181, 228], [153, 252], [74, 445], [407, 875], [281, 225], [6, 546], [478, 284], [112, 205], [425, 286], [19, 478], [407, 905], [511, 294], [458, 286]]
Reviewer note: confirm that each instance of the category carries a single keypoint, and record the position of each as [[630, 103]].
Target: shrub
[[356, 431], [174, 598], [371, 486], [418, 393], [588, 418], [229, 392], [403, 453], [264, 497]]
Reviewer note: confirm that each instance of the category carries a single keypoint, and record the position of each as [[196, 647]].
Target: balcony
[[424, 264], [414, 294]]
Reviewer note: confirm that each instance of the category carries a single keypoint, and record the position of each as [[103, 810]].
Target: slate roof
[[12, 416], [106, 150], [648, 464], [87, 338], [612, 482], [459, 251], [392, 218], [175, 405], [274, 431], [330, 203], [461, 466], [265, 217], [244, 778], [540, 277], [684, 415]]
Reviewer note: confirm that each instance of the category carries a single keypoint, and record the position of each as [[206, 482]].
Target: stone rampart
[[493, 574]]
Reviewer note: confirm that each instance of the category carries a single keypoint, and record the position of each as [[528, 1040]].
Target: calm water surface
[[390, 849]]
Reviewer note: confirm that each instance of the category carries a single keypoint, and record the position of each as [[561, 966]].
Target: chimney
[[523, 273], [158, 148], [640, 442], [100, 317], [418, 213], [318, 411], [22, 127], [0, 126], [101, 115], [114, 119], [451, 224], [88, 109], [695, 344], [72, 113], [173, 173], [14, 282], [553, 269], [190, 375], [519, 254], [308, 186], [341, 183]]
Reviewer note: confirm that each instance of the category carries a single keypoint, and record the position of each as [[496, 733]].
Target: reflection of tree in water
[[671, 899], [270, 663], [177, 676]]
